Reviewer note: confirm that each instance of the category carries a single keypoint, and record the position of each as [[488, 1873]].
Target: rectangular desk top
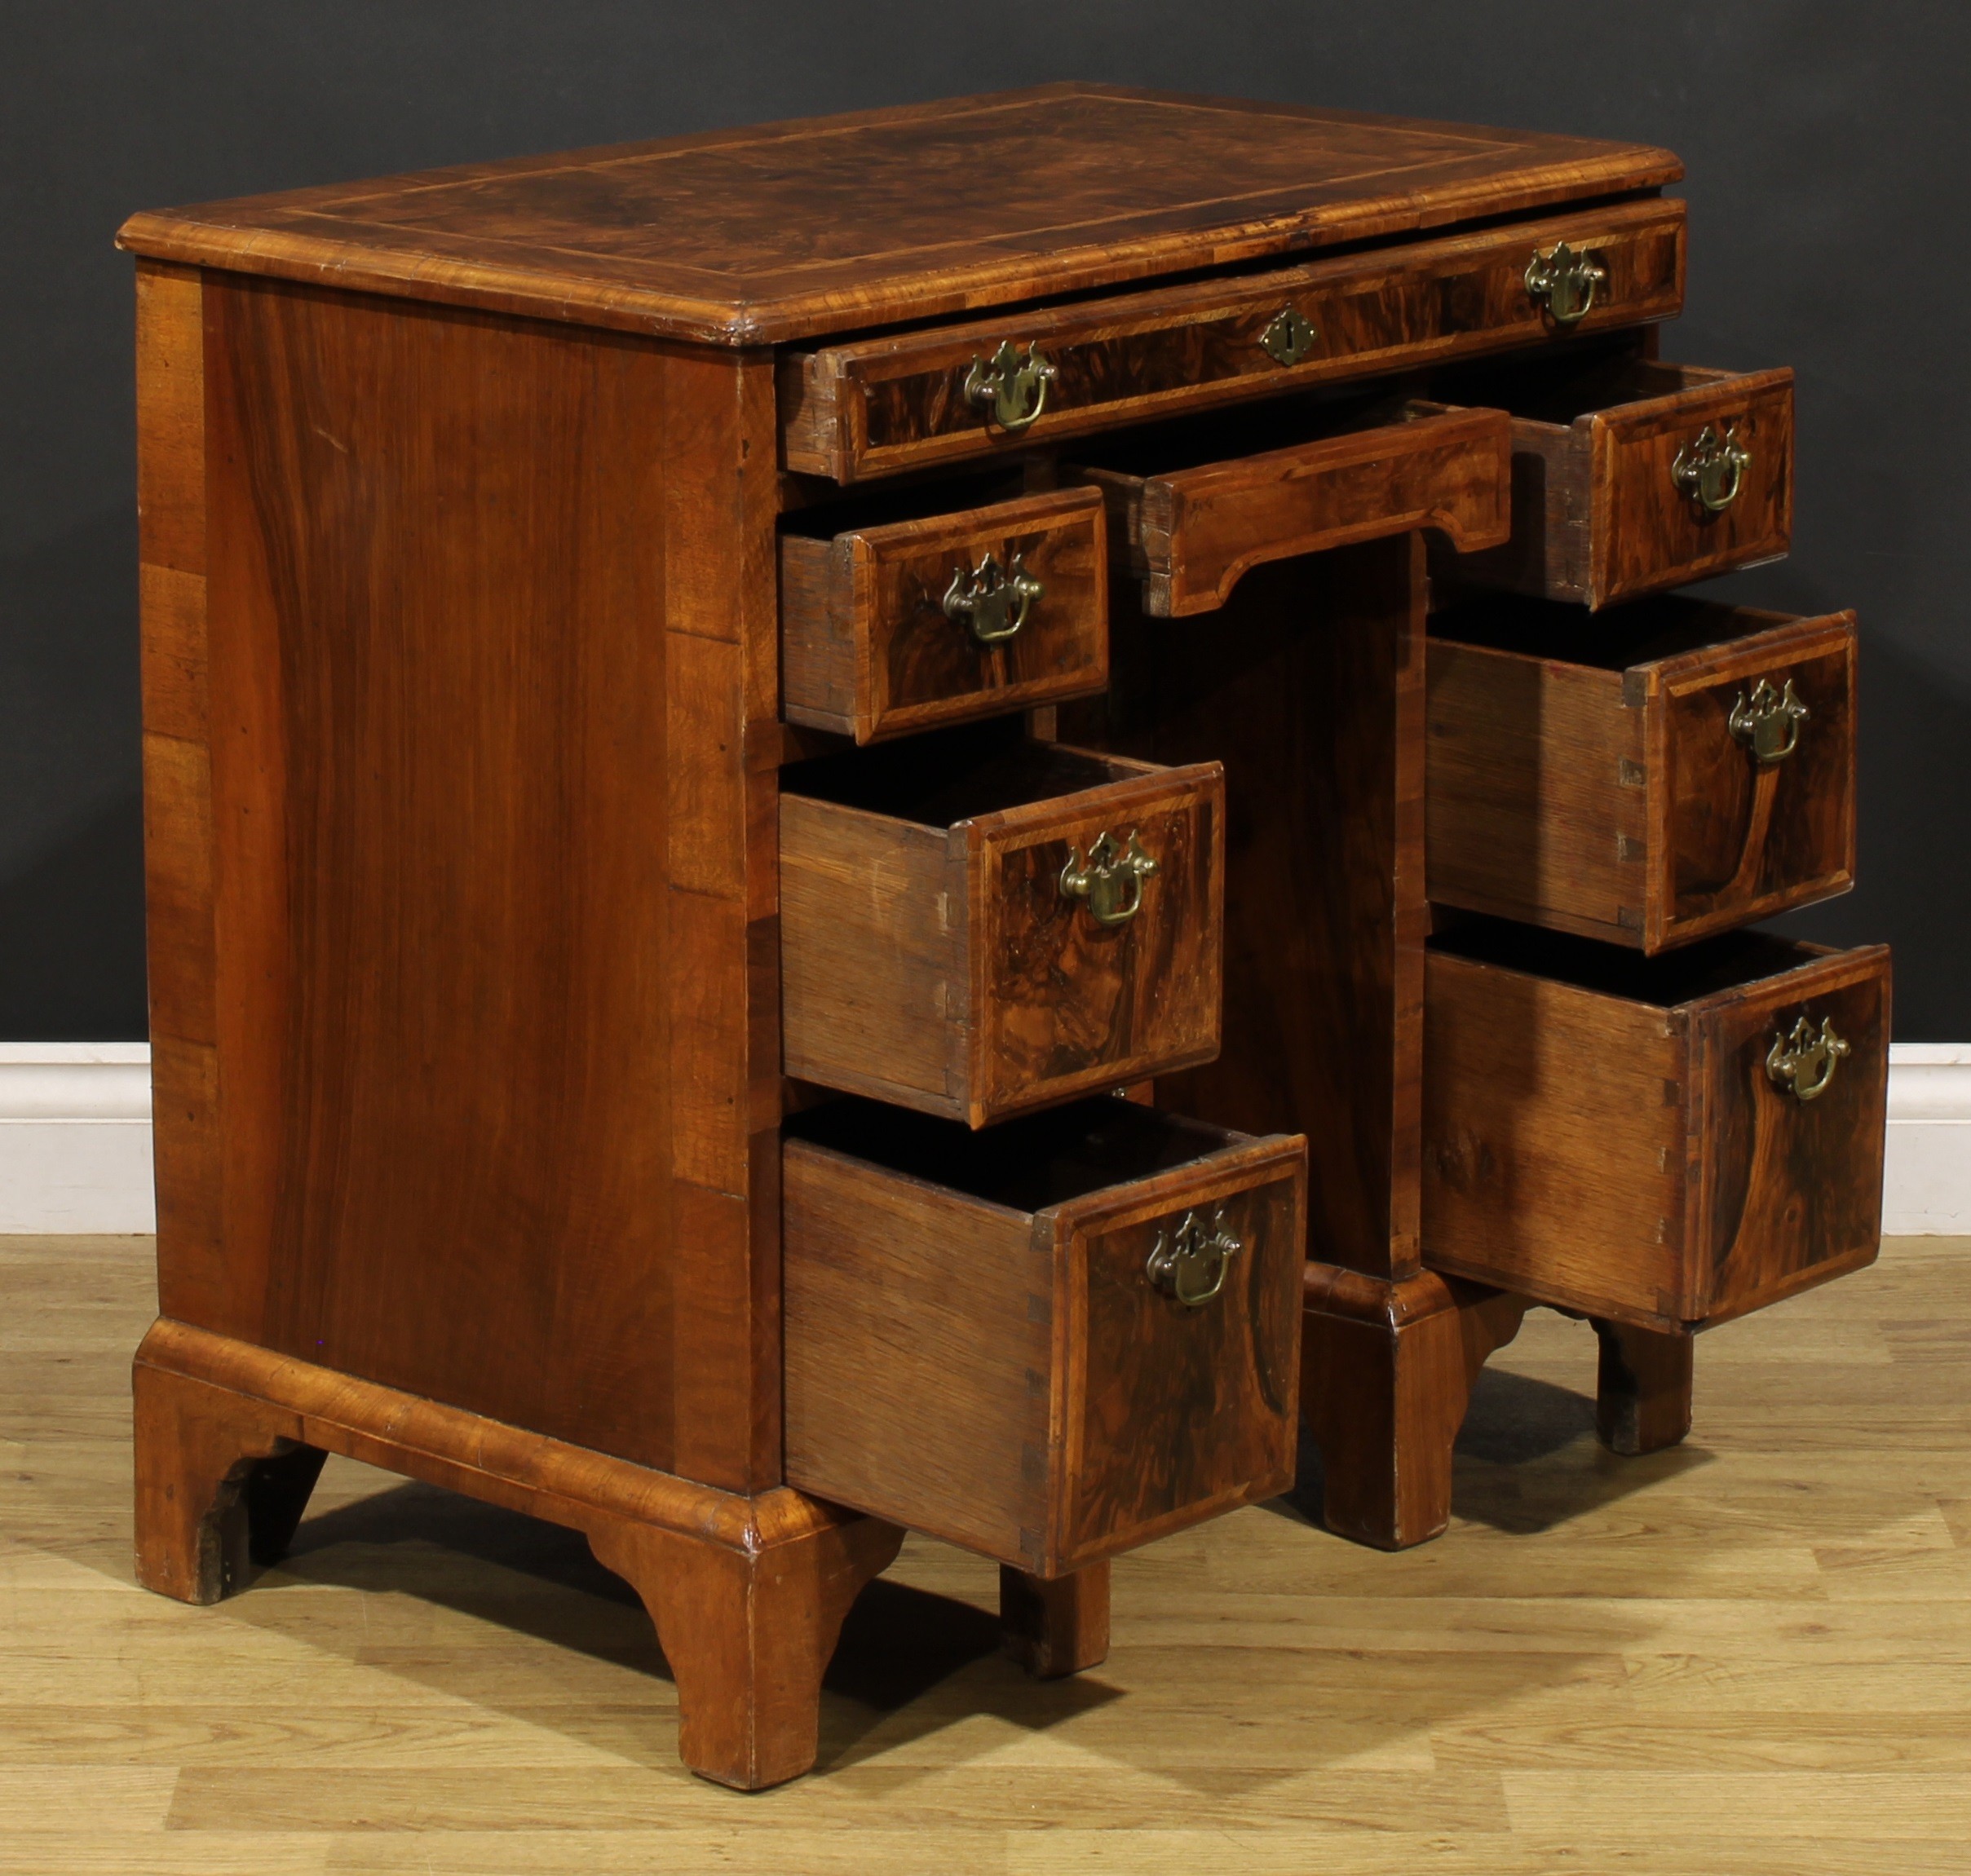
[[785, 232]]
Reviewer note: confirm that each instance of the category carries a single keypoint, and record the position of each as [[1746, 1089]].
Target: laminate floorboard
[[1749, 1655]]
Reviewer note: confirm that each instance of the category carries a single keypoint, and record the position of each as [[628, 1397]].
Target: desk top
[[790, 231]]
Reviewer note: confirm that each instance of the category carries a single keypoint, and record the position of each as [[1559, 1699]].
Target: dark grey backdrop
[[1826, 145]]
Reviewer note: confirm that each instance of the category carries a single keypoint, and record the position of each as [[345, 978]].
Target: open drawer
[[1047, 1342], [904, 611], [972, 923], [1662, 1142], [1630, 475], [1677, 769], [1195, 504]]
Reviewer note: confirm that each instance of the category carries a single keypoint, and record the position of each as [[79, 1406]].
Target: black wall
[[1826, 145]]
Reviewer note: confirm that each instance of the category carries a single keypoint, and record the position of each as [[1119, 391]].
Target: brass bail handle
[[1190, 1264], [1565, 279], [1711, 470], [992, 601], [1803, 1063], [1111, 880], [1768, 722], [1012, 387]]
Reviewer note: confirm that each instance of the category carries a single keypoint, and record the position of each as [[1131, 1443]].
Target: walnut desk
[[786, 801]]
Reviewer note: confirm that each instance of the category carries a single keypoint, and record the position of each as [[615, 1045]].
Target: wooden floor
[[1752, 1654]]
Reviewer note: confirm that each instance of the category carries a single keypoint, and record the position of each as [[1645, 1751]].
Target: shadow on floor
[[898, 1646]]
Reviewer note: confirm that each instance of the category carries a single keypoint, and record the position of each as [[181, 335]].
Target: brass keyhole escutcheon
[[1803, 1063], [1564, 279], [1190, 1264], [992, 601], [1768, 722], [1288, 338], [1111, 880], [1013, 388], [1711, 470]]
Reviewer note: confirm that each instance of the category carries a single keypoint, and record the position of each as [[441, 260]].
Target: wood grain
[[1588, 781], [870, 406], [1308, 685], [868, 651], [1741, 1655], [974, 1348], [747, 1594], [1598, 515], [480, 664], [929, 957], [1601, 1132], [1192, 531], [738, 237]]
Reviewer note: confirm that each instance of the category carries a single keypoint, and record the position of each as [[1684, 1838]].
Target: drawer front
[[1176, 1411], [1047, 1388], [1590, 1145], [1651, 527], [886, 630], [1753, 779], [1792, 1189], [1649, 807], [1066, 1003], [951, 969], [1192, 534], [876, 406]]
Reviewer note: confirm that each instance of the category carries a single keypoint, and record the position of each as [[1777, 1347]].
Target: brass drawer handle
[[1014, 388], [1566, 279], [1768, 722], [1191, 1265], [1712, 469], [992, 600], [1803, 1064], [1111, 880], [1288, 338]]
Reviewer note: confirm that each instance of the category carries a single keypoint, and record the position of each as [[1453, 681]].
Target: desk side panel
[[484, 1055]]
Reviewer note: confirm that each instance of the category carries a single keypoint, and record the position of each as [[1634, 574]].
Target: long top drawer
[[873, 407]]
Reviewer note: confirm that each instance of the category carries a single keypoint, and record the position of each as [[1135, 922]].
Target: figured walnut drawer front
[[1678, 769], [1636, 476], [973, 931], [874, 406], [1047, 1342], [898, 627], [1189, 521], [1628, 1136]]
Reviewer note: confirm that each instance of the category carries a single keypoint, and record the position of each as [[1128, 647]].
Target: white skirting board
[[75, 1138]]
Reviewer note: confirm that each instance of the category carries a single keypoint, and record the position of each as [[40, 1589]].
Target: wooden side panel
[[1555, 1141], [920, 1333], [1068, 1005], [873, 977], [1536, 792], [1741, 841], [1176, 1414], [1195, 532], [876, 406], [1648, 533], [1548, 550], [490, 1037], [824, 675], [1792, 1193], [1309, 686], [177, 810]]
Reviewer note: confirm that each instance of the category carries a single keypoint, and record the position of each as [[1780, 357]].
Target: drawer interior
[[1672, 978], [941, 778], [1022, 1165], [1556, 389], [921, 500], [1245, 429], [1639, 633]]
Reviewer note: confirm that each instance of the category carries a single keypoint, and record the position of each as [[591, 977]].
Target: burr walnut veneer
[[589, 1077]]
